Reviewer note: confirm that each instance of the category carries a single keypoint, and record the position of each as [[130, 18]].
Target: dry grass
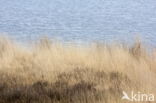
[[54, 73]]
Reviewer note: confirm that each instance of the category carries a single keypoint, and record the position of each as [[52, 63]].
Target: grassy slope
[[54, 73]]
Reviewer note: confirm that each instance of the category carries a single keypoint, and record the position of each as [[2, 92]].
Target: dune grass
[[49, 72]]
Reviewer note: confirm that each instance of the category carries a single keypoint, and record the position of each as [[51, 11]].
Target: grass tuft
[[50, 72]]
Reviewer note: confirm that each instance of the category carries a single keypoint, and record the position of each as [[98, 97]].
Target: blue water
[[79, 20]]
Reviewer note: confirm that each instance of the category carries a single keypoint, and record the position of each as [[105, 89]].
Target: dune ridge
[[50, 72]]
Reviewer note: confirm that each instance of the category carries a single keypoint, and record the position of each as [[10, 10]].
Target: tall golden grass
[[49, 72]]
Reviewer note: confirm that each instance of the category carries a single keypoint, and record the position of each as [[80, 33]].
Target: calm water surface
[[79, 20]]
